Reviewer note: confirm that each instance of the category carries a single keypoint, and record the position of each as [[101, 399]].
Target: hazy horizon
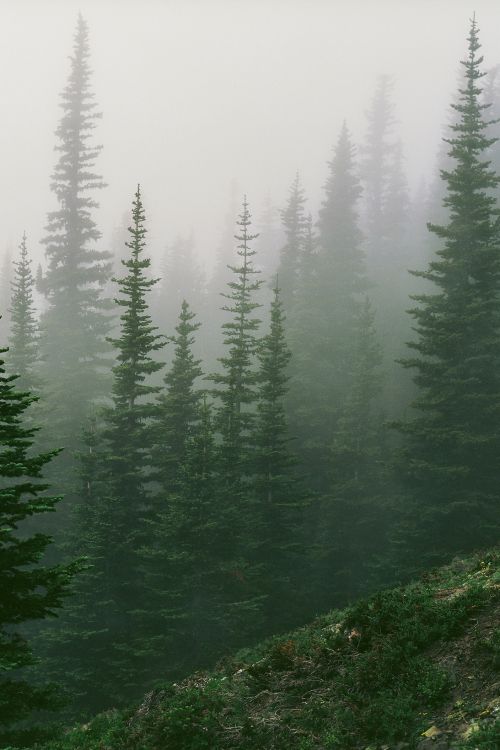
[[197, 96]]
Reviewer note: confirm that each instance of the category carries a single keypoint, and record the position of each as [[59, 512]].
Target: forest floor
[[412, 668]]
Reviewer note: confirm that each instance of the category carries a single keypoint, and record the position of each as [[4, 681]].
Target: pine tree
[[378, 155], [75, 325], [269, 240], [29, 590], [193, 582], [96, 651], [354, 512], [279, 494], [5, 291], [386, 213], [238, 376], [178, 406], [181, 278], [127, 436], [452, 452], [23, 340], [234, 420], [322, 338], [294, 224]]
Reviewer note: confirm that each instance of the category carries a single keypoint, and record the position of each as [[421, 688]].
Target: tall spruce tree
[[75, 324], [178, 406], [279, 494], [238, 376], [96, 651], [29, 590], [294, 225], [127, 436], [181, 278], [23, 339], [194, 582], [452, 457], [355, 517], [322, 340], [389, 248], [235, 420], [5, 292]]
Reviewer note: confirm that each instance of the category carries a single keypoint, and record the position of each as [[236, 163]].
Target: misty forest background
[[227, 455]]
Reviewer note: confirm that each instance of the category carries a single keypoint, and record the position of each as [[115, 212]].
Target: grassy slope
[[425, 657]]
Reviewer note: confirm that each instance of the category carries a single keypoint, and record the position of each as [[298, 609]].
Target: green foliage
[[23, 339], [96, 651], [237, 379], [279, 496], [178, 405], [291, 254], [322, 327], [75, 323], [487, 737], [451, 460], [364, 676], [29, 590]]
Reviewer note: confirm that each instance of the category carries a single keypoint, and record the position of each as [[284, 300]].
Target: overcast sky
[[197, 93]]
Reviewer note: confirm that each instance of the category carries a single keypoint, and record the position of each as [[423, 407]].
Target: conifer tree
[[389, 247], [354, 516], [75, 324], [29, 590], [96, 651], [178, 406], [294, 224], [23, 340], [193, 582], [269, 240], [234, 420], [238, 375], [452, 454], [181, 278], [127, 436], [5, 292], [279, 495], [322, 340]]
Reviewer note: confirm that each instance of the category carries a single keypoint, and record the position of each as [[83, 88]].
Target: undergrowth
[[360, 676]]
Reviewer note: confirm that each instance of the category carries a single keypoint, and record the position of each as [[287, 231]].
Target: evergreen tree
[[5, 291], [127, 436], [181, 278], [355, 518], [74, 326], [178, 406], [280, 497], [386, 209], [269, 239], [452, 454], [234, 420], [294, 224], [23, 340], [238, 376], [378, 155], [193, 582], [96, 650], [29, 590], [322, 340]]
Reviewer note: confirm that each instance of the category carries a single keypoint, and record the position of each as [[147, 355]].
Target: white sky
[[196, 93]]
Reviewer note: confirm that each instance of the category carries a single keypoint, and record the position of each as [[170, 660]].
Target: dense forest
[[190, 464]]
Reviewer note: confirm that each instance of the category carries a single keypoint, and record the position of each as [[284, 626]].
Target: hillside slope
[[413, 667]]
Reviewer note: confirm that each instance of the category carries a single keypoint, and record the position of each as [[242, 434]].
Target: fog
[[198, 95]]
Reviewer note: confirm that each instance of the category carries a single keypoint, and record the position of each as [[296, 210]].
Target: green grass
[[363, 676]]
